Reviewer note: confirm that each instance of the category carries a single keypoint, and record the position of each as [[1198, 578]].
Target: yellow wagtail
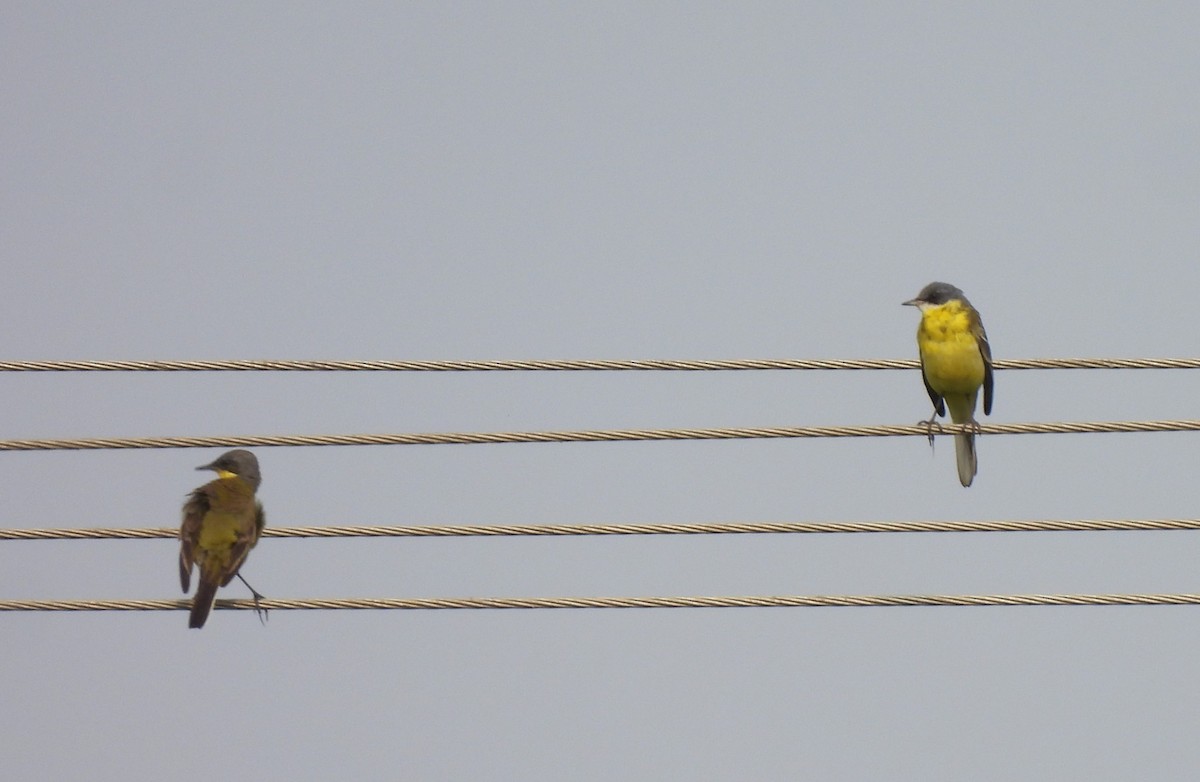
[[221, 523], [955, 361]]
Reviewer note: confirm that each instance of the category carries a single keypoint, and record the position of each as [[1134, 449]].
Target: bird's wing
[[260, 521], [247, 537], [939, 406], [189, 532], [985, 350]]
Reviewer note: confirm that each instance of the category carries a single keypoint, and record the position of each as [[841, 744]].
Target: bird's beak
[[220, 473], [910, 303]]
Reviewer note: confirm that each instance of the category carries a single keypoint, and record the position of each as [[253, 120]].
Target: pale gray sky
[[614, 180]]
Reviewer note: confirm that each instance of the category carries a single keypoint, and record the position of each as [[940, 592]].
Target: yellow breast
[[949, 353]]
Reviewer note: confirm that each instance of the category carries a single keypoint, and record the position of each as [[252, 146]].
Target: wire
[[610, 435], [461, 531], [248, 365], [778, 601]]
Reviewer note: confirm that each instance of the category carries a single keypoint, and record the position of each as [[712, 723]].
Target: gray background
[[437, 181]]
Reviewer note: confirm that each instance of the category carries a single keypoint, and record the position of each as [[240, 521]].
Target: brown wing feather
[[247, 539], [189, 533], [260, 521], [237, 555], [985, 349]]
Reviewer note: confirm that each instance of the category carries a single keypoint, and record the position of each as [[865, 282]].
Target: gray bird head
[[935, 294], [241, 463]]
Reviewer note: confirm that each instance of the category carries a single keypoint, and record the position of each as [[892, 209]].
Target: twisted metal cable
[[778, 601], [733, 528], [610, 435], [251, 365]]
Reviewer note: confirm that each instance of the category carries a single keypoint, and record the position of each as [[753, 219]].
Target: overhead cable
[[776, 601], [610, 435], [570, 530], [577, 365]]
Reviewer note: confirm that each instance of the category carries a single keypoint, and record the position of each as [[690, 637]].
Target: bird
[[956, 361], [222, 521]]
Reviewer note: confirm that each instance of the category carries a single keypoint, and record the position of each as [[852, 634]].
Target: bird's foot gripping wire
[[930, 425], [258, 609]]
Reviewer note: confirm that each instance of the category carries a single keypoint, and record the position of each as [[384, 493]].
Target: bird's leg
[[258, 609], [929, 426]]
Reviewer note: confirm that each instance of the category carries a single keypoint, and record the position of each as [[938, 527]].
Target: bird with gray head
[[222, 521], [956, 361]]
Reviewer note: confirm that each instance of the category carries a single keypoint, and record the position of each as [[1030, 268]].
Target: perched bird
[[221, 523], [956, 361]]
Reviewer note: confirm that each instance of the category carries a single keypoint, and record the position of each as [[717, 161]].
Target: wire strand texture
[[576, 365], [583, 530], [602, 435], [493, 603]]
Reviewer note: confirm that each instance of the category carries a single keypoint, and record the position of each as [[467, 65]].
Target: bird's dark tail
[[964, 454], [202, 603]]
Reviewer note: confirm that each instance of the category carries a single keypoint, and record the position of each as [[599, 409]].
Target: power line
[[569, 530], [609, 435], [486, 603], [598, 365]]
